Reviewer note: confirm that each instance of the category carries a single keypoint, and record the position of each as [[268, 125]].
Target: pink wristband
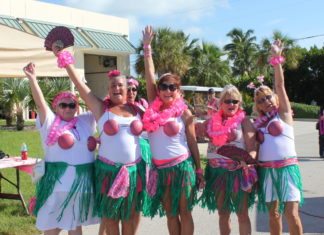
[[64, 58], [199, 171], [275, 60], [147, 46]]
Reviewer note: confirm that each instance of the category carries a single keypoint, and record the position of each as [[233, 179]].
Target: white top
[[277, 147], [166, 147], [238, 142], [123, 147], [78, 153]]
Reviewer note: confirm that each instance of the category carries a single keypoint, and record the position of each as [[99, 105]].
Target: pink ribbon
[[120, 186], [152, 176], [250, 176], [279, 163]]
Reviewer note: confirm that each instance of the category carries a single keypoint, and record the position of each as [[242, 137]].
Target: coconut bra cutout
[[66, 140], [275, 128], [111, 127]]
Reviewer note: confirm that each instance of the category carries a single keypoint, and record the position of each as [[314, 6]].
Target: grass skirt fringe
[[118, 208], [181, 179], [280, 178], [82, 187], [220, 181], [145, 150]]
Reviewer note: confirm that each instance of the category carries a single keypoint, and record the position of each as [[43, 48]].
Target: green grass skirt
[[119, 208], [181, 179], [83, 185], [220, 181], [145, 150], [279, 178]]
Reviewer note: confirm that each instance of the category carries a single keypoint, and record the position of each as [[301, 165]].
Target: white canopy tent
[[18, 48]]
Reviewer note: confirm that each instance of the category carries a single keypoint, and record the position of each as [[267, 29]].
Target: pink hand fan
[[236, 154], [60, 37]]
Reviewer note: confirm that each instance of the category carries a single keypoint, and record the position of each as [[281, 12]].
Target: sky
[[211, 20]]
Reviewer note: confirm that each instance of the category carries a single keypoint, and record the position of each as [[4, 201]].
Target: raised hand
[[148, 35], [277, 47], [29, 70]]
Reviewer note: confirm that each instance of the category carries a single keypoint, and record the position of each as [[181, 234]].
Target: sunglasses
[[264, 99], [230, 101], [65, 105], [133, 89], [171, 87]]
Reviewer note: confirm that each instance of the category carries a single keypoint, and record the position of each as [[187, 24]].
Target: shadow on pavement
[[312, 216]]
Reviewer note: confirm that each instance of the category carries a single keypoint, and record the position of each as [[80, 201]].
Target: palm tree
[[207, 68], [171, 52], [14, 97], [242, 51]]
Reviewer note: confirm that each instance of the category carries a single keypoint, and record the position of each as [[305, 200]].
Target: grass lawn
[[14, 220]]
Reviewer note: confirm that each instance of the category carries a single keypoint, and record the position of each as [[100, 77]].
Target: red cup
[[24, 155]]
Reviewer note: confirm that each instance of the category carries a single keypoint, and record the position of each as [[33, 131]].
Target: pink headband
[[131, 81], [115, 73], [62, 95]]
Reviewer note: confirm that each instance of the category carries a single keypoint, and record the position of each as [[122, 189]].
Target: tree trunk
[[20, 120]]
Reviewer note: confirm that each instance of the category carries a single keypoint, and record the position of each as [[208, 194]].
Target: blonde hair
[[262, 91], [230, 90]]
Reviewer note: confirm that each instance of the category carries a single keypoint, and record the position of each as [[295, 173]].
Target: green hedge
[[305, 110], [300, 110]]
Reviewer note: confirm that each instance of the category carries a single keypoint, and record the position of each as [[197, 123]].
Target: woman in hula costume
[[280, 182], [229, 183], [175, 154], [65, 194], [119, 169]]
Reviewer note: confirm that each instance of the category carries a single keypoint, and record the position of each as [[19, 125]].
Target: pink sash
[[279, 163], [250, 176], [120, 186], [152, 174]]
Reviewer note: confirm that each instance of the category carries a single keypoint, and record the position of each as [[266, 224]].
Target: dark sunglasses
[[263, 99], [133, 89], [230, 101], [65, 105], [171, 87]]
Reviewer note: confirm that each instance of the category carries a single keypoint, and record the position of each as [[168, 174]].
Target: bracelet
[[64, 58], [275, 60], [199, 171], [147, 46]]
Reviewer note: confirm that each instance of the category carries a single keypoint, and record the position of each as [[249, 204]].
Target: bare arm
[[249, 137], [94, 104], [188, 118], [37, 93], [151, 89], [284, 104]]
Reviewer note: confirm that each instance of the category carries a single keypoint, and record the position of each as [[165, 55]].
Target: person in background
[[175, 154], [320, 128], [132, 94], [229, 183], [280, 185], [65, 194], [212, 103], [119, 169]]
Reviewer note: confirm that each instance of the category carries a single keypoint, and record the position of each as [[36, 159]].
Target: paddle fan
[[236, 154], [60, 37]]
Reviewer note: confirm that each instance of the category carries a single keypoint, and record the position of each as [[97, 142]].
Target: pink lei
[[154, 117], [264, 119], [56, 130], [219, 131]]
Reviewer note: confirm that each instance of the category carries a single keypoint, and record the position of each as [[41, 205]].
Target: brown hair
[[167, 76]]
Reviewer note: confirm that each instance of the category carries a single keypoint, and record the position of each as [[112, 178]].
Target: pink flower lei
[[264, 119], [154, 117], [218, 130], [56, 130]]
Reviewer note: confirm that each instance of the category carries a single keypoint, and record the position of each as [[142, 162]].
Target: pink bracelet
[[275, 60], [147, 46], [64, 58], [199, 171]]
